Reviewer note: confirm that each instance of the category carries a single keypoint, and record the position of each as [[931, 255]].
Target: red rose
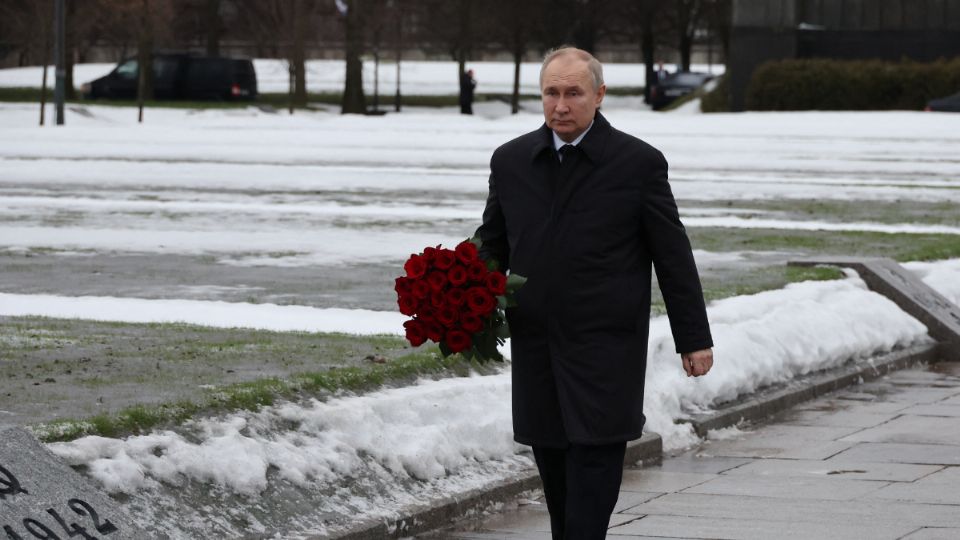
[[444, 259], [477, 271], [471, 323], [416, 334], [458, 340], [437, 280], [420, 289], [456, 297], [429, 253], [480, 301], [427, 314], [415, 266], [402, 286], [447, 316], [496, 283], [467, 252], [438, 299], [434, 331], [457, 275], [408, 305]]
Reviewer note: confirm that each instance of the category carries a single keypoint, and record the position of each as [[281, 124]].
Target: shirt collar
[[558, 143], [591, 147]]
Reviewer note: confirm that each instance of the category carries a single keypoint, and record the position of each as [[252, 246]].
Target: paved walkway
[[877, 461]]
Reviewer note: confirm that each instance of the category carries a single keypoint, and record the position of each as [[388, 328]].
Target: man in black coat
[[582, 210], [467, 86]]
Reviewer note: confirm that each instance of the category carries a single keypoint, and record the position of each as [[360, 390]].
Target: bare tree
[[354, 101], [451, 24], [145, 58], [199, 23], [718, 16], [213, 25], [280, 28], [640, 21], [688, 17], [516, 26], [300, 17], [44, 13], [21, 25]]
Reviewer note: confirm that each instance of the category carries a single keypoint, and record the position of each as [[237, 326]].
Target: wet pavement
[[877, 461]]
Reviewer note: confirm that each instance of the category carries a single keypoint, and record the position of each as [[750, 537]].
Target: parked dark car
[[180, 76], [945, 104], [676, 85]]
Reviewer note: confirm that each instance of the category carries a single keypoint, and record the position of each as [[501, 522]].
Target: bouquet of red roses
[[457, 300]]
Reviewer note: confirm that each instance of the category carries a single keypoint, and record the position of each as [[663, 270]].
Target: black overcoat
[[585, 233]]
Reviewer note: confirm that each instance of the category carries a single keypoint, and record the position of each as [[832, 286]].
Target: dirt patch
[[54, 368]]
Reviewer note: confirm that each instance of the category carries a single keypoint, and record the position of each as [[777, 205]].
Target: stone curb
[[649, 448], [766, 403]]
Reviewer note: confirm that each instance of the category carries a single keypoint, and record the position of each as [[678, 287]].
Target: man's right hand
[[697, 363]]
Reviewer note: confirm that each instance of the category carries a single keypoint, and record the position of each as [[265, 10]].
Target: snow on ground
[[417, 77], [942, 276], [436, 429], [205, 313], [243, 184]]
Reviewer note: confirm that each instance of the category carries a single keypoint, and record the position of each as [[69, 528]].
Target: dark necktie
[[566, 152]]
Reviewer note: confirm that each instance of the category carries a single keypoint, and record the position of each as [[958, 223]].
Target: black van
[[180, 76]]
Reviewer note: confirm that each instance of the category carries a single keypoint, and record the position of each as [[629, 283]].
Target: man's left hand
[[697, 363]]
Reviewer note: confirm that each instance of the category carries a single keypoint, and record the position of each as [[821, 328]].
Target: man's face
[[569, 99]]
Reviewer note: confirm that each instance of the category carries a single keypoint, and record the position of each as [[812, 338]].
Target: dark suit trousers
[[581, 484]]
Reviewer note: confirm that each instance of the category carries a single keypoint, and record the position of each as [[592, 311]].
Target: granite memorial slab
[[885, 276], [41, 497]]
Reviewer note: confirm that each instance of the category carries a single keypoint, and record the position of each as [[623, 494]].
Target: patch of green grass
[[252, 395], [895, 212], [16, 94], [812, 273], [751, 281], [623, 91], [899, 246]]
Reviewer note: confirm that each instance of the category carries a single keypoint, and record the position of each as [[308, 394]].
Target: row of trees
[[290, 29]]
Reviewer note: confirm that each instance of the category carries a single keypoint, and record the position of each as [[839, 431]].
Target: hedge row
[[793, 85]]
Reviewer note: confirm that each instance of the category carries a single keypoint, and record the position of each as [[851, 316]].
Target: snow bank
[[205, 313], [434, 428], [424, 431], [767, 338], [942, 276]]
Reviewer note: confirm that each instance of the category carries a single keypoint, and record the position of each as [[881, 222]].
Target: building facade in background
[[765, 30]]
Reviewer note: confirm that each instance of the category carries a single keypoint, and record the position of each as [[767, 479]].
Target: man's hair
[[596, 69]]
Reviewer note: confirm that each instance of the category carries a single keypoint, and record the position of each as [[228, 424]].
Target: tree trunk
[[144, 60], [43, 92], [213, 27], [397, 100], [45, 59], [517, 59], [686, 17], [354, 102], [686, 43], [300, 20], [71, 92], [647, 46], [463, 41], [585, 32]]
